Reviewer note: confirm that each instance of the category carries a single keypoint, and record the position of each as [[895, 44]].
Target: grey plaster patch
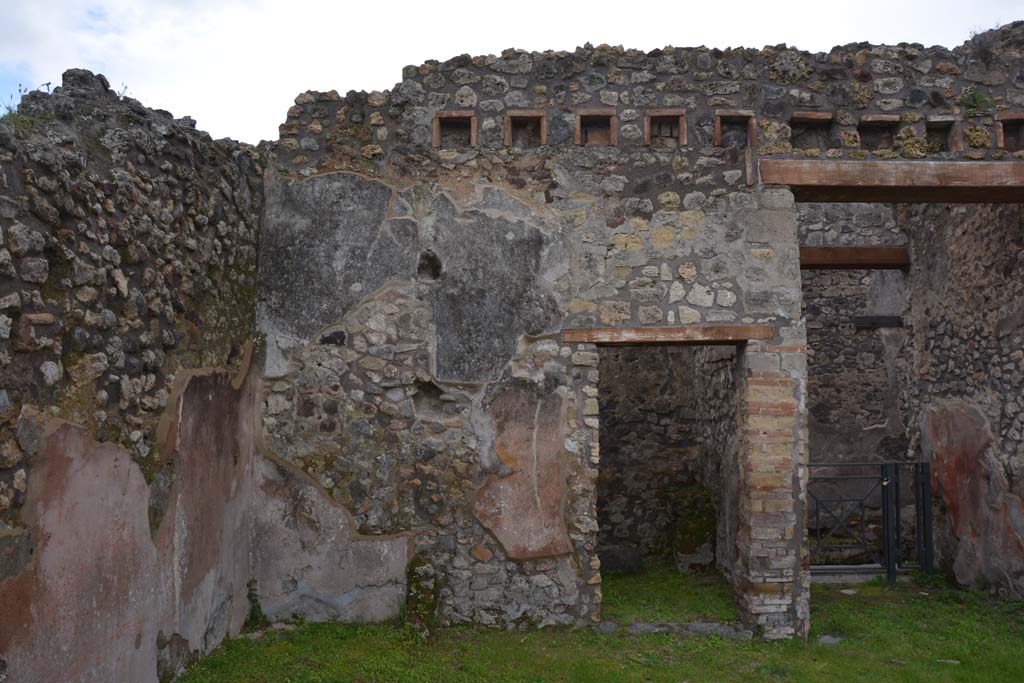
[[310, 561], [327, 244]]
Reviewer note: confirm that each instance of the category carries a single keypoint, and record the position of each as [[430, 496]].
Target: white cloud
[[236, 65]]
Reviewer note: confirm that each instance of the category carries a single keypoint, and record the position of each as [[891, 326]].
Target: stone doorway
[[747, 403], [670, 438]]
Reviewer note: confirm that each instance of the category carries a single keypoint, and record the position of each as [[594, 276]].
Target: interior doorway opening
[[867, 495], [667, 489]]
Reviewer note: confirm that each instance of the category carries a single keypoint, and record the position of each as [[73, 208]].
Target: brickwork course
[[362, 371]]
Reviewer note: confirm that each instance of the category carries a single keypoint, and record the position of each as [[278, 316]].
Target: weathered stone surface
[[127, 254], [310, 560], [478, 324], [326, 244], [525, 508]]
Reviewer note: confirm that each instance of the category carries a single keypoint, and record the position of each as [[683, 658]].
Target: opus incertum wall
[[493, 203], [426, 273]]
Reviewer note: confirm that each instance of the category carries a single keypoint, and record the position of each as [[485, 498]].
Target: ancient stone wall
[[858, 373], [720, 420], [417, 420], [649, 455], [410, 242], [945, 387], [968, 405], [849, 224], [136, 518], [129, 254], [858, 368], [623, 187]]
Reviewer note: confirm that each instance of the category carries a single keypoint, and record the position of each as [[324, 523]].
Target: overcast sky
[[236, 65]]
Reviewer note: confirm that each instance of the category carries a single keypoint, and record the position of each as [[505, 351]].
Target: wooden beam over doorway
[[692, 334], [897, 181], [849, 258]]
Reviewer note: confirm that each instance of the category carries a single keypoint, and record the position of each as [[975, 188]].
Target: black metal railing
[[845, 497]]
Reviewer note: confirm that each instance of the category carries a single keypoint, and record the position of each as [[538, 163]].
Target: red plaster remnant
[[986, 518], [100, 589], [86, 507], [101, 592], [525, 510]]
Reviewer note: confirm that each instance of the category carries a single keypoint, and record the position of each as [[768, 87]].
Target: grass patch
[[18, 122], [663, 594], [899, 635]]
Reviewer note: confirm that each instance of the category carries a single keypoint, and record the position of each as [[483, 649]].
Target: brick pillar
[[773, 575]]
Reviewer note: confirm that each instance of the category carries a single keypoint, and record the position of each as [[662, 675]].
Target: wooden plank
[[879, 119], [893, 173], [811, 117], [693, 334], [897, 181], [870, 322], [735, 113], [848, 258]]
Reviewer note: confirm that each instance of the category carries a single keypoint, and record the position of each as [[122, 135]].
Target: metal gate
[[848, 500]]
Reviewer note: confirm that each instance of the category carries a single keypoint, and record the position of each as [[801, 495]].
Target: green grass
[[889, 635], [663, 594]]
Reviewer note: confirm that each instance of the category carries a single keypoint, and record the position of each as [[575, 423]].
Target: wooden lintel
[[872, 322], [821, 117], [879, 119], [735, 113], [693, 334], [850, 258], [897, 181]]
